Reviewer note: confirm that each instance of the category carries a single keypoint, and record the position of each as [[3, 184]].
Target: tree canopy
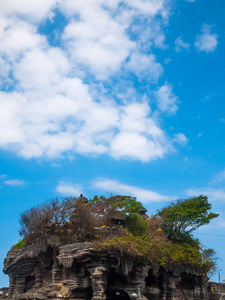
[[117, 224], [182, 217], [74, 219]]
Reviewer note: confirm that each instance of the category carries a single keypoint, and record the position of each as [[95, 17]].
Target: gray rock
[[46, 270]]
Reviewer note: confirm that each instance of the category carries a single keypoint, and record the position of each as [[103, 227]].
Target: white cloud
[[44, 68], [212, 194], [136, 7], [137, 147], [179, 44], [68, 189], [139, 136], [97, 40], [207, 41], [145, 66], [51, 106], [56, 123], [180, 138], [150, 8], [152, 35], [17, 37], [167, 101], [116, 187], [14, 182], [34, 11]]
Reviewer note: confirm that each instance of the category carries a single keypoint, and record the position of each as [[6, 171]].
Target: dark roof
[[143, 210], [83, 199], [120, 217]]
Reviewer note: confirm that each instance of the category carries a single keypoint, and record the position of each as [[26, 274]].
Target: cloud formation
[[68, 189], [14, 182], [180, 138], [167, 101], [51, 103], [206, 41], [179, 44], [143, 195]]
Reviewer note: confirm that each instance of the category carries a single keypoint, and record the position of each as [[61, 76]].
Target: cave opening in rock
[[115, 279], [187, 282], [83, 293], [150, 280], [154, 281], [30, 282], [153, 286], [116, 284]]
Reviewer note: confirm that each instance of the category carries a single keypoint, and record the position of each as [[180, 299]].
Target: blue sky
[[122, 97]]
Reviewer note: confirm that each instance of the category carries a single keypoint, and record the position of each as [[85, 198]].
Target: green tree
[[182, 217], [137, 225]]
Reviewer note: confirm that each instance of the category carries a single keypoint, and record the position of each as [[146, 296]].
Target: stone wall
[[46, 270]]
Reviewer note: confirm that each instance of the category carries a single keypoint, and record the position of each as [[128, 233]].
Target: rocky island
[[107, 249]]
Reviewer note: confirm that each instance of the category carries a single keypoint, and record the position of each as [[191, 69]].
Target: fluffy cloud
[[34, 11], [139, 136], [207, 41], [179, 44], [68, 189], [180, 138], [143, 195], [99, 43], [167, 101], [49, 103], [97, 38], [153, 35], [145, 66], [151, 8], [78, 123], [17, 37]]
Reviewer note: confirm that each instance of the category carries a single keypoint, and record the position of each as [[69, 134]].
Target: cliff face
[[46, 270]]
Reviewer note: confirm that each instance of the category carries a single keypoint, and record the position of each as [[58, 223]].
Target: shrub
[[19, 245]]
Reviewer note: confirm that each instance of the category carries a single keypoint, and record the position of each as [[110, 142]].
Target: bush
[[19, 245], [136, 224]]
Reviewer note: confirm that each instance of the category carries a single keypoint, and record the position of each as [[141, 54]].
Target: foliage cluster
[[182, 217], [19, 245], [115, 224], [76, 220]]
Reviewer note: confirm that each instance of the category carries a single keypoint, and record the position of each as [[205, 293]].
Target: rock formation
[[46, 270]]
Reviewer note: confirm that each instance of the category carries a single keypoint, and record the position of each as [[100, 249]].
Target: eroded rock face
[[46, 270]]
